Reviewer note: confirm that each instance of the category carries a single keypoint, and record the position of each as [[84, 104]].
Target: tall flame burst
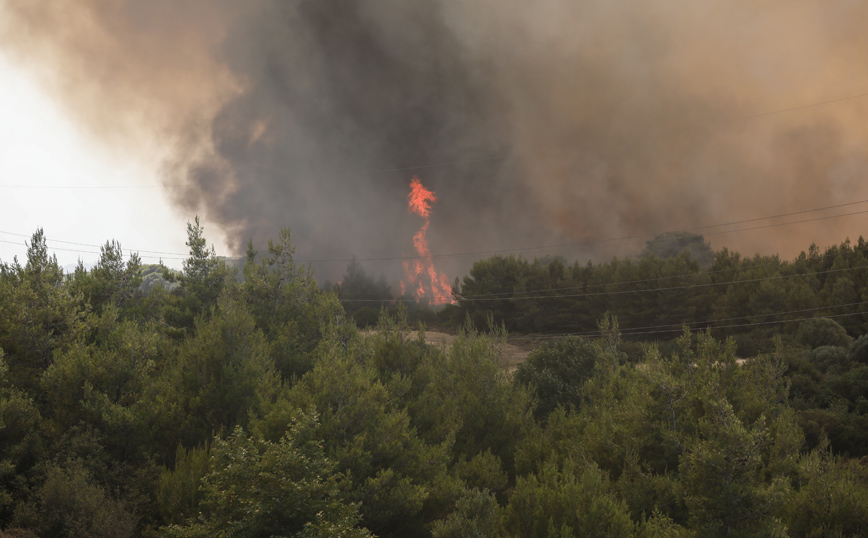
[[422, 278]]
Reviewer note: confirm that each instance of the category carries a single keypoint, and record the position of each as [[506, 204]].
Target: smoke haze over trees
[[572, 121]]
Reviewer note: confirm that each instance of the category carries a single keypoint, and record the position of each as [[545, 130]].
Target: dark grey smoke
[[338, 92], [569, 121]]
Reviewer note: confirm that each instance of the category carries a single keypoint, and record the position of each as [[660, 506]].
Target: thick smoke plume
[[565, 121]]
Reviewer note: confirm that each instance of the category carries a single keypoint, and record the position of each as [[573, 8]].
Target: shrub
[[859, 350], [818, 332], [556, 371], [827, 358]]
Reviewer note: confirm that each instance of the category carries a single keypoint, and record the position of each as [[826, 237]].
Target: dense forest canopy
[[138, 401], [654, 294]]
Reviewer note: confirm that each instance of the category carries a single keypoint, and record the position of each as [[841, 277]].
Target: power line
[[800, 107], [509, 294], [95, 246], [86, 187], [92, 252], [788, 223], [628, 292], [703, 324], [669, 331], [627, 239], [169, 255], [630, 239], [755, 324], [615, 241], [671, 288]]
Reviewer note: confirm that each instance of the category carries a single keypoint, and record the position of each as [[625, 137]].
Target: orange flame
[[420, 199], [421, 275]]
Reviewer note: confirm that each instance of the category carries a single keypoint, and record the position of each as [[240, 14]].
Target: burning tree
[[423, 281]]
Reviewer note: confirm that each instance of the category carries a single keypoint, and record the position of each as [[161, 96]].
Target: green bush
[[818, 332], [859, 350], [751, 345], [476, 515], [70, 504], [259, 488], [829, 358], [366, 317], [568, 501], [557, 370]]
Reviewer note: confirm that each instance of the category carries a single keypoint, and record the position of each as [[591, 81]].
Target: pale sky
[[43, 154]]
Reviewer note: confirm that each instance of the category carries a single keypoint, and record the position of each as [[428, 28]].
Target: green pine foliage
[[476, 515], [557, 370], [138, 402], [260, 488], [180, 491], [361, 295], [665, 287], [567, 501]]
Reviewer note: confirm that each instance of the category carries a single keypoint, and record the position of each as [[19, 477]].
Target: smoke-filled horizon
[[565, 121]]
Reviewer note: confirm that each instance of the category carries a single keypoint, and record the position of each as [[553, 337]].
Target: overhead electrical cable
[[92, 252], [628, 239], [624, 239], [508, 294], [670, 331], [627, 292], [97, 246], [781, 111], [709, 323], [86, 187]]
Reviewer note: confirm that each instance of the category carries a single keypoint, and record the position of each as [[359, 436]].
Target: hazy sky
[[564, 122], [55, 176]]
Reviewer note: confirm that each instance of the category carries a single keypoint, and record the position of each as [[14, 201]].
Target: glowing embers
[[422, 279]]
